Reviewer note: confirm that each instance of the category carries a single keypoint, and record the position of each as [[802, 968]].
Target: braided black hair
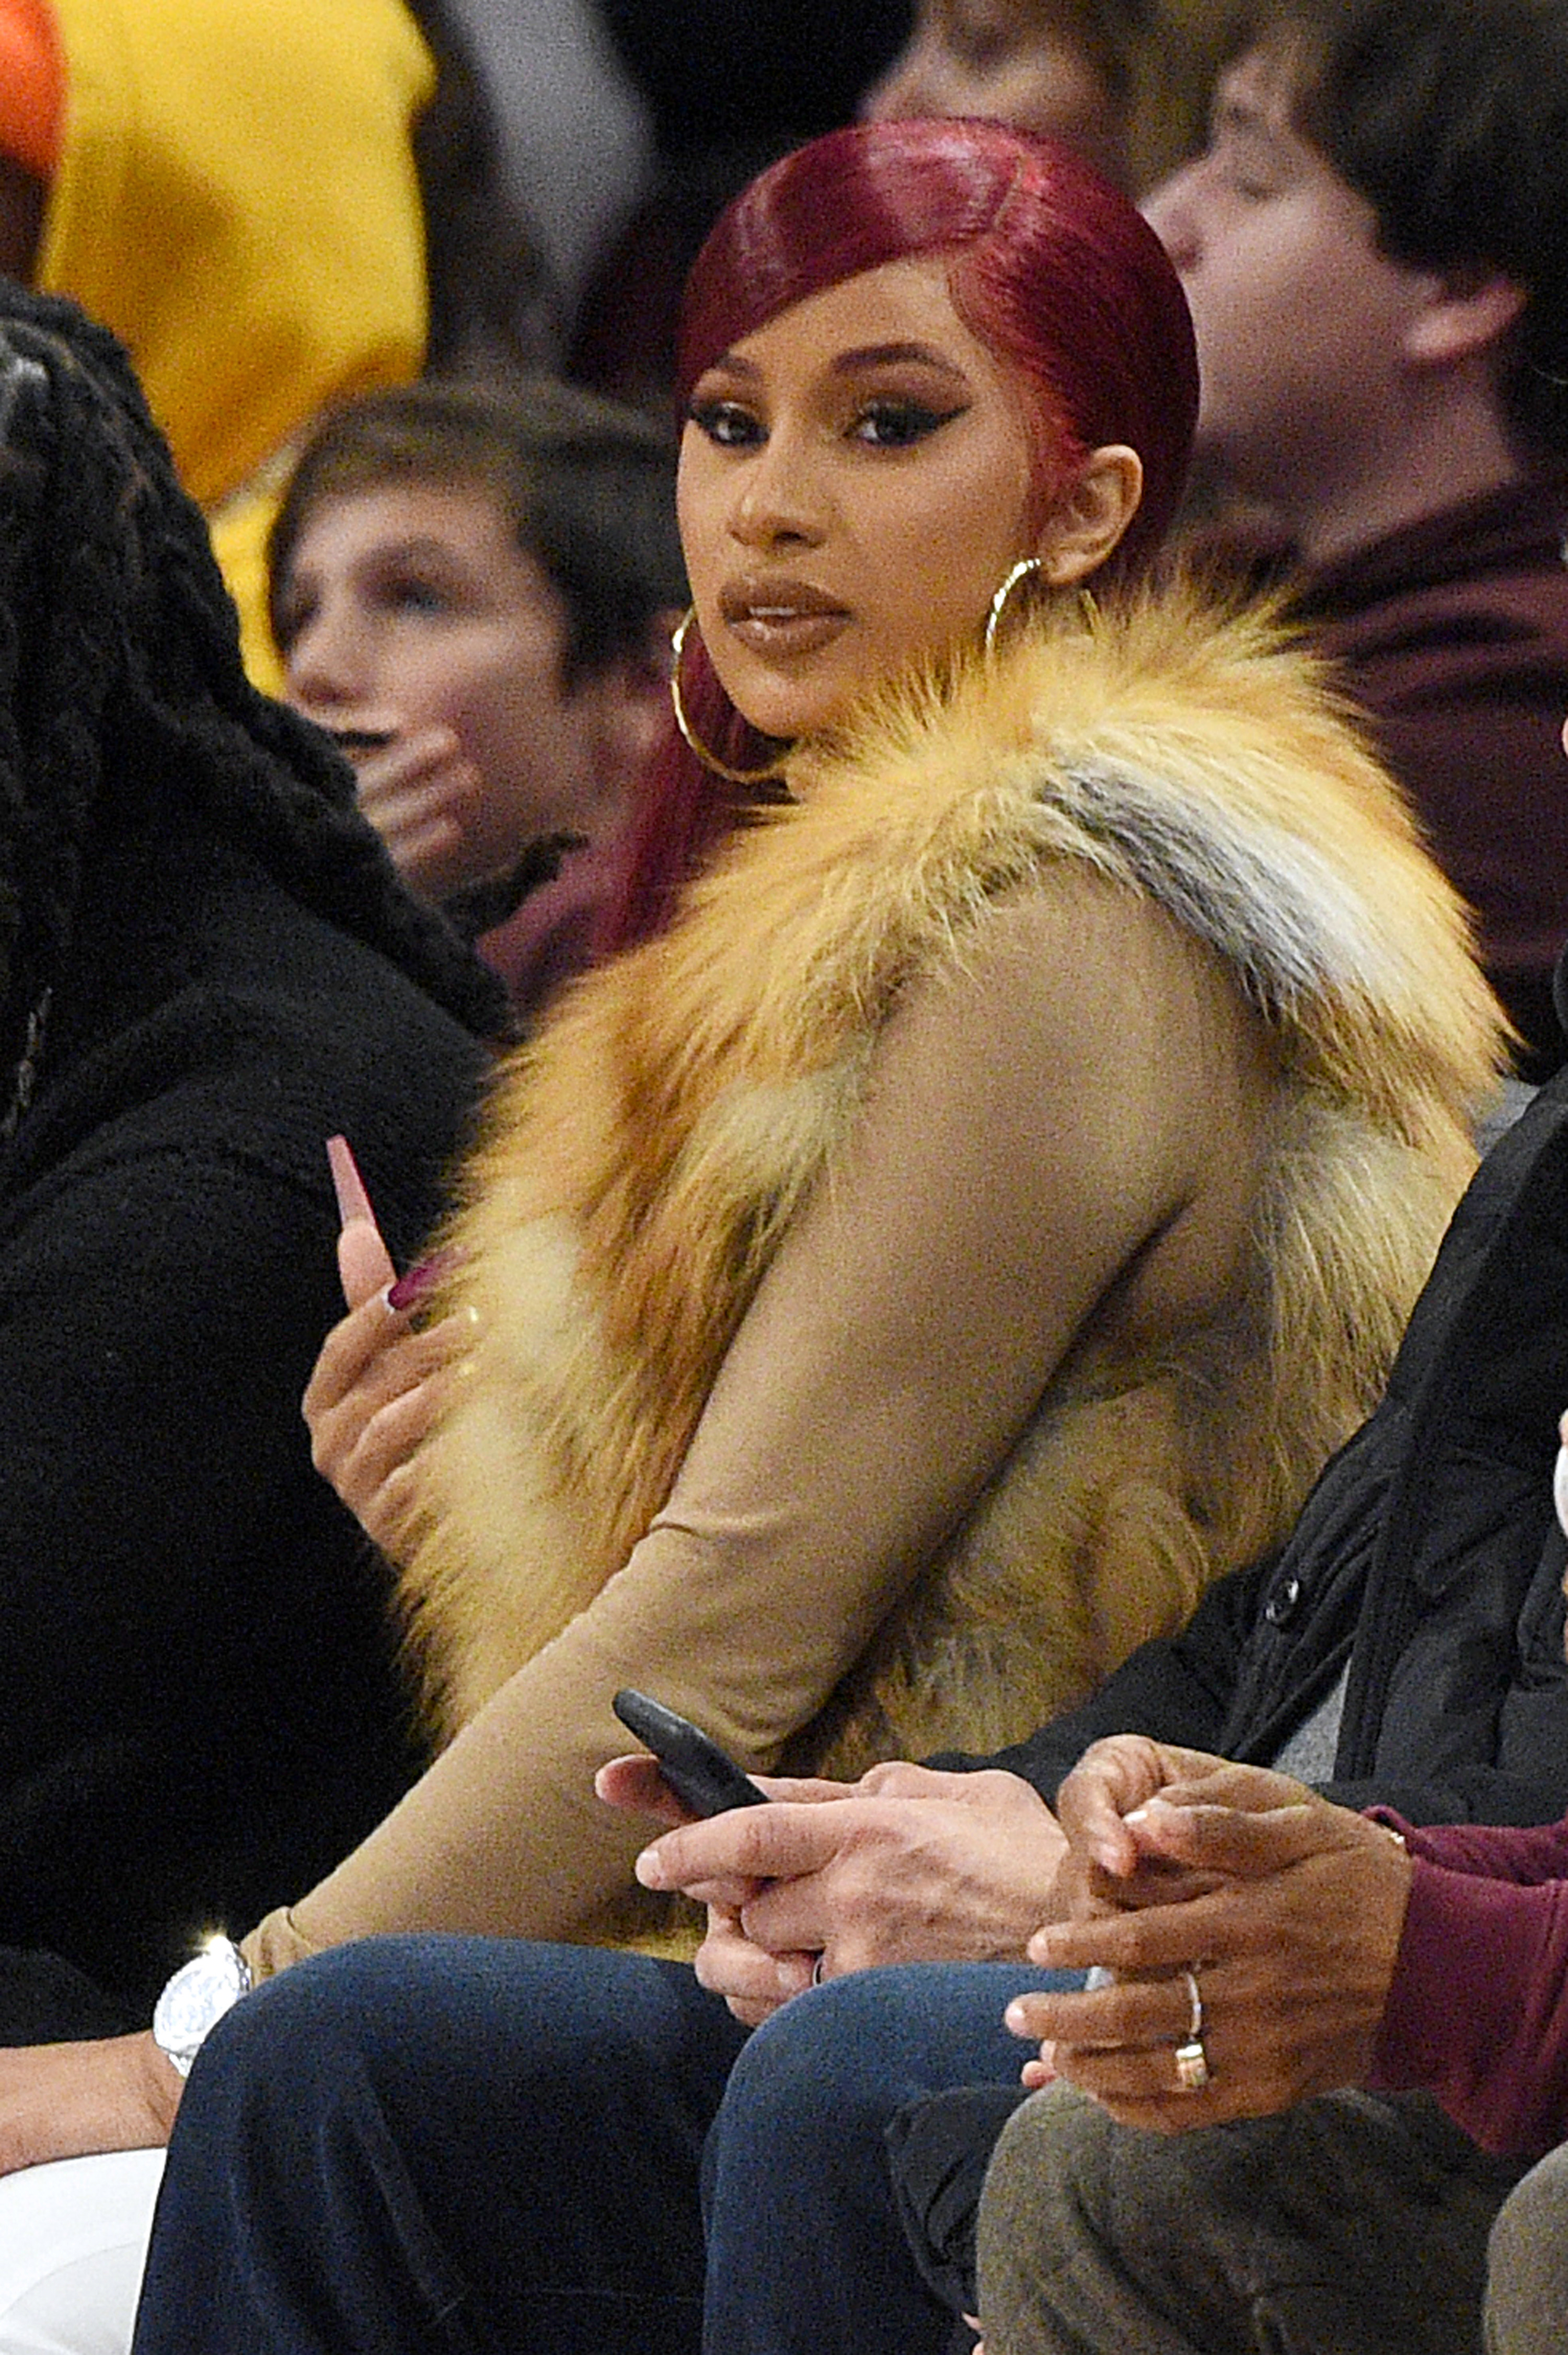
[[120, 673]]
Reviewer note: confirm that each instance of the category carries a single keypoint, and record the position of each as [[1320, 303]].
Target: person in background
[[1123, 80], [1374, 244], [270, 208], [573, 133], [207, 968], [473, 589]]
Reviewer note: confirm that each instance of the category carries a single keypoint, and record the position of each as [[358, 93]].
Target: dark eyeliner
[[910, 422], [712, 416]]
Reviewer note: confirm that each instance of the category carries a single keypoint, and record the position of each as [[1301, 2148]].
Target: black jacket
[[202, 1711], [1427, 1555]]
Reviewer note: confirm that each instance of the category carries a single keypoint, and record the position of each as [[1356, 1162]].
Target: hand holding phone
[[699, 1774]]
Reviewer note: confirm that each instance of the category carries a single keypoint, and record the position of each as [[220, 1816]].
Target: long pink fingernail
[[353, 1202], [418, 1281]]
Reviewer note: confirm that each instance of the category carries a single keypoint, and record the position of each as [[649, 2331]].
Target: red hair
[[1050, 268]]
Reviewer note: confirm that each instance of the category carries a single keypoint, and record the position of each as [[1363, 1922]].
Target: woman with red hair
[[874, 1284], [990, 1178]]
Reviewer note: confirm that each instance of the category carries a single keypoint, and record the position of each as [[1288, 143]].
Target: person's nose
[[329, 667], [1171, 211], [780, 498]]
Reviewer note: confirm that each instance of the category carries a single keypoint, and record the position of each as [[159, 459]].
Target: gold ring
[[1191, 2066]]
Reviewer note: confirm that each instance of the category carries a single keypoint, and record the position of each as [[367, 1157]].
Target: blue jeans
[[472, 2145]]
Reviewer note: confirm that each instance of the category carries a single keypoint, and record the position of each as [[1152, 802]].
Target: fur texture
[[644, 1156]]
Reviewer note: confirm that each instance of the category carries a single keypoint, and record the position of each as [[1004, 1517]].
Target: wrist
[[158, 2087]]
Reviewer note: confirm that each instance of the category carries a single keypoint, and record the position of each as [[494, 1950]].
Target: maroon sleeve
[[1478, 2011], [1523, 1853]]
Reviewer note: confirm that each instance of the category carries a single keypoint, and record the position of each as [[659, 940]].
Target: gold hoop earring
[[1021, 571], [688, 735], [1087, 607]]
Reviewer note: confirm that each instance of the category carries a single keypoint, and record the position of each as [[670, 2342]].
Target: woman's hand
[[376, 1390], [378, 1384], [68, 2101], [1292, 1941]]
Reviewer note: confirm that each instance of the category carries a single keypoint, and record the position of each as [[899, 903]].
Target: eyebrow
[[413, 546], [864, 355]]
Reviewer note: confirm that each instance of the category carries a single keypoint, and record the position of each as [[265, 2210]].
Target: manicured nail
[[419, 1282], [353, 1202]]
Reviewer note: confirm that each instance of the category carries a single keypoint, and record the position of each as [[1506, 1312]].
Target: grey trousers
[[1347, 2226], [1527, 2270]]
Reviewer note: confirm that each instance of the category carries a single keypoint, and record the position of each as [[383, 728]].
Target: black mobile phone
[[692, 1761]]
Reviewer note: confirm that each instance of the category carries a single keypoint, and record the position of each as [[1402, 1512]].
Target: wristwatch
[[196, 1999]]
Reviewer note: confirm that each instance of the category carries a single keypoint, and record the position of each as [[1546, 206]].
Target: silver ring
[[817, 1970], [1195, 2019], [1191, 2066]]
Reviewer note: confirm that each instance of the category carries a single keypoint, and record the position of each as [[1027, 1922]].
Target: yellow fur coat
[[644, 1155]]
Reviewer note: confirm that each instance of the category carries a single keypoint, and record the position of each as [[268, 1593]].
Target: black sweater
[[202, 1711]]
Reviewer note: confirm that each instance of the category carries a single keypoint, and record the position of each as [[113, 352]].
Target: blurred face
[[855, 481], [410, 608], [1300, 320], [1002, 60]]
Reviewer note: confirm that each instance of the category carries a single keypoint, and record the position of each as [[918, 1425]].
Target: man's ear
[[1091, 516], [1466, 313]]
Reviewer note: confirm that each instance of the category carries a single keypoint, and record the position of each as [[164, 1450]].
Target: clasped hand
[[1287, 1909], [906, 1865]]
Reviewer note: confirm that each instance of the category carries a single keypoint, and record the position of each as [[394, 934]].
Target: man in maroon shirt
[[1374, 244]]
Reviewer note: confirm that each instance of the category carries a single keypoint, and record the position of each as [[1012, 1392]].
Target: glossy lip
[[781, 616]]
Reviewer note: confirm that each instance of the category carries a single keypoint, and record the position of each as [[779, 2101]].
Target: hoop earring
[[688, 735], [1021, 571], [1087, 607]]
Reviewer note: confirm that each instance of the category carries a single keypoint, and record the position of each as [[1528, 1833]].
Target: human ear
[[1462, 313], [1091, 515]]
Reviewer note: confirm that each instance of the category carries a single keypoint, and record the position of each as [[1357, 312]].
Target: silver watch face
[[196, 1999]]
